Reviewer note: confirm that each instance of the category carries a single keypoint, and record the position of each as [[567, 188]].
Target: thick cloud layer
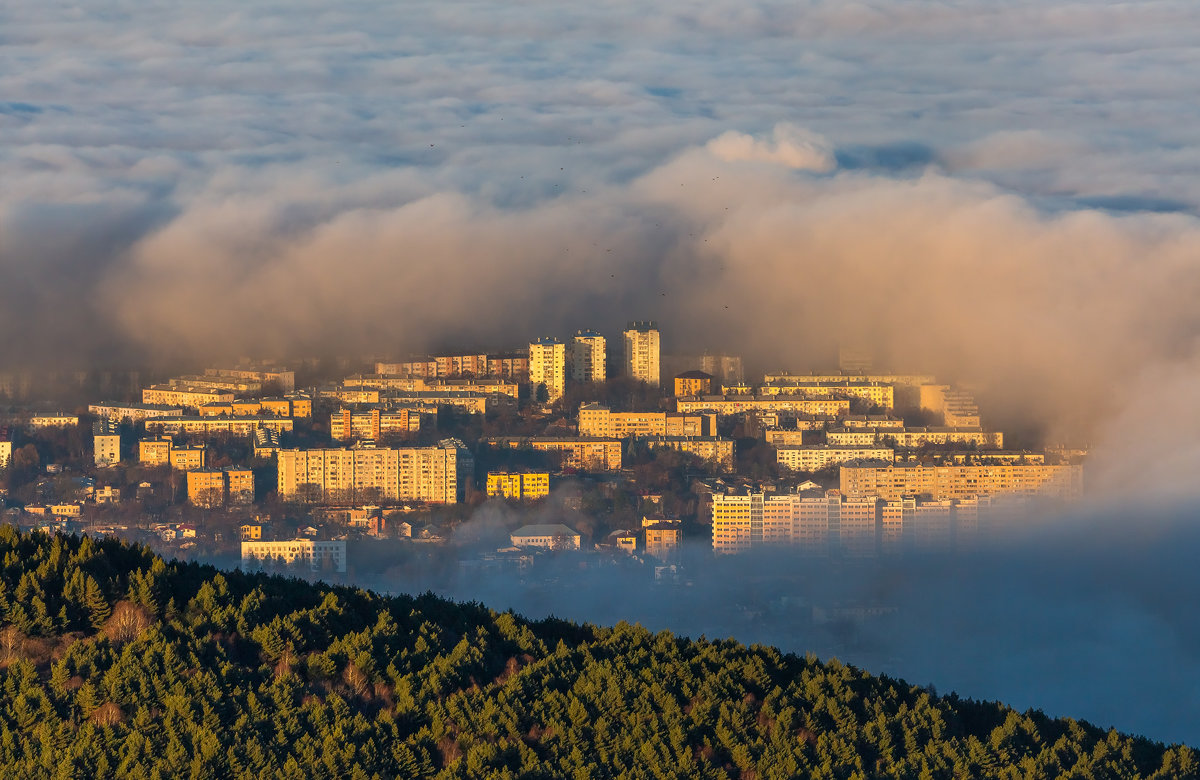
[[282, 176]]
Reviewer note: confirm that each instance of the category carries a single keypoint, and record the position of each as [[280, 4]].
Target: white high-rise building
[[548, 366], [642, 352], [588, 361]]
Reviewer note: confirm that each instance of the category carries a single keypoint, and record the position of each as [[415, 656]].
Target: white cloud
[[788, 145]]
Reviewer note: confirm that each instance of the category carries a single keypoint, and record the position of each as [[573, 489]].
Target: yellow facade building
[[548, 366], [202, 426], [518, 486], [372, 423], [185, 396], [53, 420], [643, 352], [589, 357], [715, 450], [435, 475], [664, 540], [282, 379], [583, 453], [188, 457], [736, 404], [308, 554], [206, 487], [912, 438], [891, 483], [598, 420], [877, 393], [818, 456], [691, 383]]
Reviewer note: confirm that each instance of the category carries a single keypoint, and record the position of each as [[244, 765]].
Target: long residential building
[[435, 475], [598, 420], [469, 401], [914, 437], [725, 405], [586, 453], [814, 457], [288, 406], [300, 553], [893, 482], [876, 377], [190, 397], [414, 384], [283, 380], [209, 426], [232, 383], [53, 420], [120, 410], [715, 450], [877, 393], [512, 365], [828, 524], [375, 423]]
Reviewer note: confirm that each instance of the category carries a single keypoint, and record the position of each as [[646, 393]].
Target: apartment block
[[548, 366], [598, 420], [202, 426], [911, 438], [783, 437], [664, 539], [589, 357], [891, 483], [372, 424], [877, 393], [53, 420], [469, 401], [308, 554], [436, 475], [206, 487], [185, 396], [5, 453], [814, 524], [233, 384], [726, 405], [691, 383], [642, 352], [813, 457], [519, 486], [957, 407], [106, 442], [712, 449], [475, 364], [282, 379], [583, 453], [120, 411], [160, 451]]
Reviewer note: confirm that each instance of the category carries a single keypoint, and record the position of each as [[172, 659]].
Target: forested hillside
[[117, 664]]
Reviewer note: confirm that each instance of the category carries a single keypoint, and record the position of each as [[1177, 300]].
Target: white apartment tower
[[548, 366], [588, 361], [642, 352]]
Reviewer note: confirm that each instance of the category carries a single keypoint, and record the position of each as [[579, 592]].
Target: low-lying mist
[[1089, 615]]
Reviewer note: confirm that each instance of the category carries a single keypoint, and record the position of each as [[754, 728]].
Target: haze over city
[[996, 203]]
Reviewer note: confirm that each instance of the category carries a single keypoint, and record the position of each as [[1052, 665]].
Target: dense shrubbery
[[118, 664]]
